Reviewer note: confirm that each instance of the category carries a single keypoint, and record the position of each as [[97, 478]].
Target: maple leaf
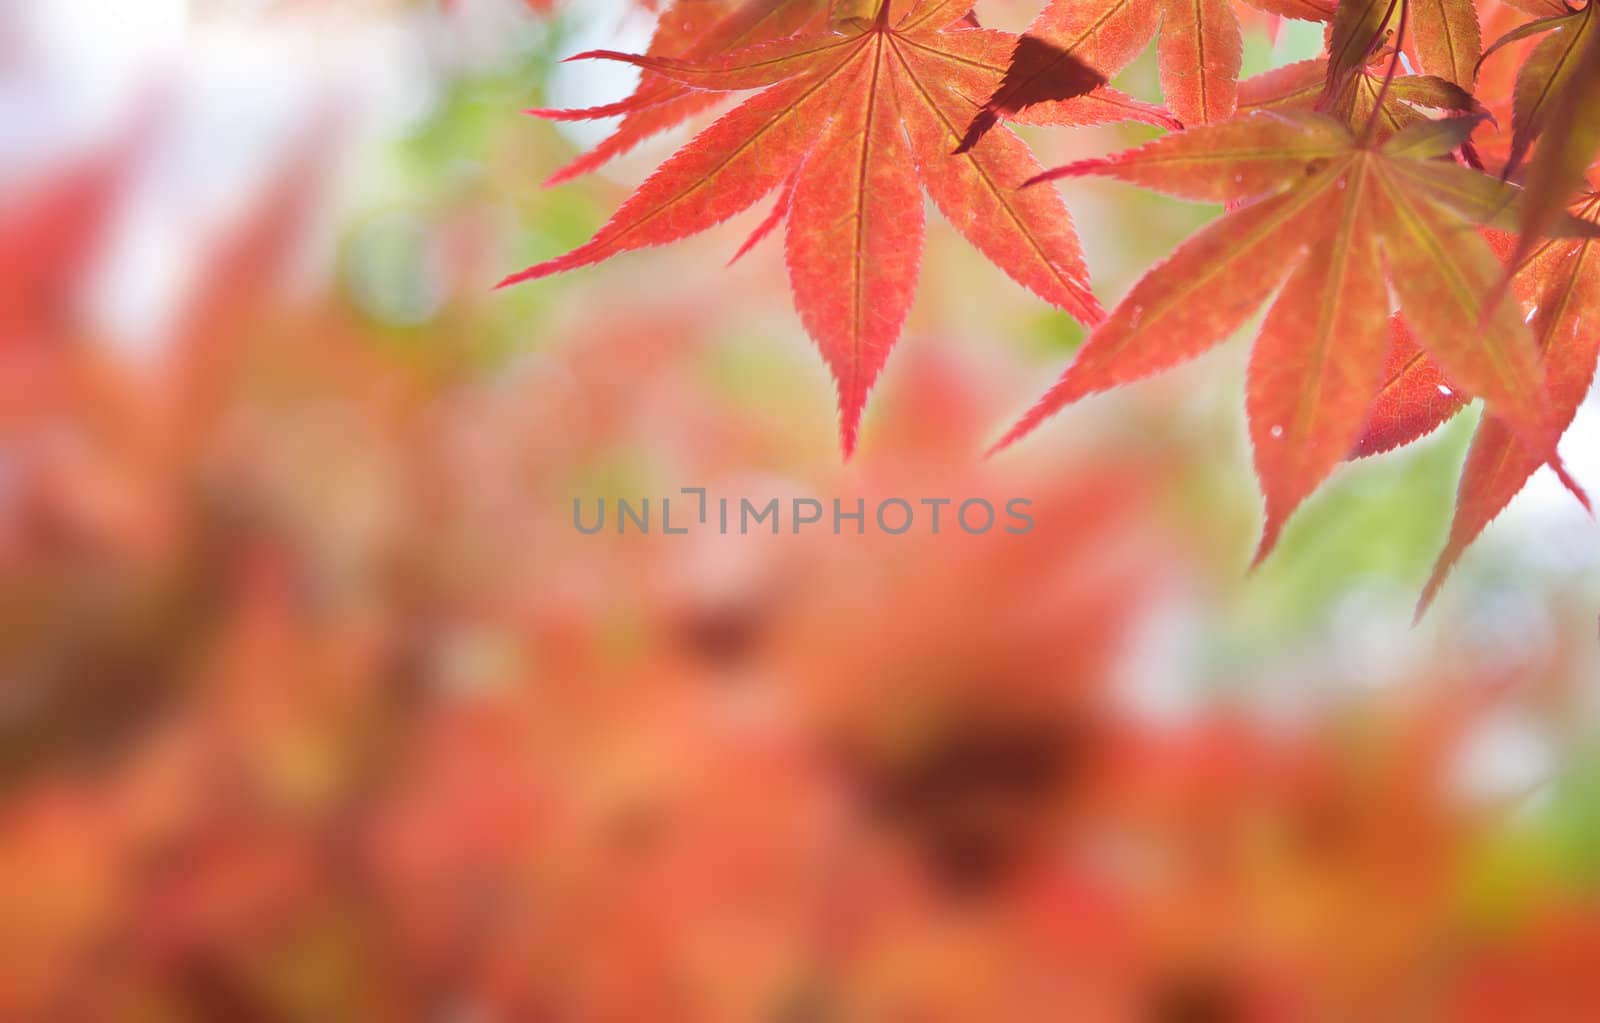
[[1199, 48], [1415, 399], [1561, 111], [50, 229], [1302, 85], [862, 120], [1441, 37], [1445, 39], [1549, 72], [1497, 74], [1336, 221], [1560, 281], [692, 29]]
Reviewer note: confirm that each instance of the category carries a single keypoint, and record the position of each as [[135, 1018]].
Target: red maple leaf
[[48, 233], [1445, 39], [1551, 73], [1415, 398], [1301, 85], [1560, 282], [1556, 95], [1336, 221], [1442, 37], [689, 29], [854, 124]]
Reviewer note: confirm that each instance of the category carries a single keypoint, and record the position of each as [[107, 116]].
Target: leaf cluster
[[1415, 217]]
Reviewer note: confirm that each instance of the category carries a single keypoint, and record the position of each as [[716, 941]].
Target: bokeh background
[[314, 705]]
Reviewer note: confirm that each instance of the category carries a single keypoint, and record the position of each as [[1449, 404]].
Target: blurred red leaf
[[49, 232]]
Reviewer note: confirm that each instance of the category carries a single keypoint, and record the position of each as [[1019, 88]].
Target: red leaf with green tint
[[1337, 219], [1568, 127], [1445, 39], [1441, 274], [1549, 74], [1408, 100], [1355, 35]]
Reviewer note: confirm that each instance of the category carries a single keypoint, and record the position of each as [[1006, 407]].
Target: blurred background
[[315, 705]]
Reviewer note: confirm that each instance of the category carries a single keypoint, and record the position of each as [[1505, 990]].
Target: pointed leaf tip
[[1270, 534], [1076, 169], [1430, 593], [1029, 422], [1573, 486], [779, 211], [980, 126], [1037, 72], [519, 277], [595, 113]]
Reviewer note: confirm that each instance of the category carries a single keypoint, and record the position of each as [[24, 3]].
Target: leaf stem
[[1388, 76]]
